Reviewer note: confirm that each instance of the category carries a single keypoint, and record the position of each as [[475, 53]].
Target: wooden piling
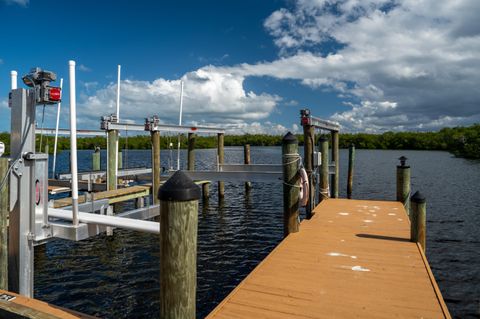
[[323, 189], [418, 219], [156, 169], [403, 183], [308, 145], [351, 163], [205, 190], [336, 160], [178, 246], [4, 212], [221, 159], [112, 155], [290, 161], [191, 151], [246, 160], [120, 160], [96, 159]]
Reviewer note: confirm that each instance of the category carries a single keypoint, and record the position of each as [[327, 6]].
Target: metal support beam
[[22, 192], [51, 131]]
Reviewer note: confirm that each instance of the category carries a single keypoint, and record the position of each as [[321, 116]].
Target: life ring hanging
[[304, 188]]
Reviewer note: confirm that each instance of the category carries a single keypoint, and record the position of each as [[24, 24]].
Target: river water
[[117, 277]]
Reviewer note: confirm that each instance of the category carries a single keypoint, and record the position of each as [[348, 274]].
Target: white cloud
[[398, 65], [84, 68], [418, 55], [211, 97], [22, 3]]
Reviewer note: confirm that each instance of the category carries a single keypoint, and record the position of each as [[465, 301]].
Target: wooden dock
[[353, 259], [15, 306], [113, 196]]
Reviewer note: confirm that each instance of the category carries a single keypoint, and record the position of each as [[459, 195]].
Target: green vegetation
[[461, 141]]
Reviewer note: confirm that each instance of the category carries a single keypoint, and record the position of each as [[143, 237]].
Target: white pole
[[13, 78], [118, 91], [119, 67], [73, 143], [59, 106], [180, 123]]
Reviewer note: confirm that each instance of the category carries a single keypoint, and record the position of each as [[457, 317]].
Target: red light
[[305, 121], [55, 94], [193, 128]]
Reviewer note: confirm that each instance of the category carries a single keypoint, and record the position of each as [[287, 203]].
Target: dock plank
[[113, 196], [353, 259]]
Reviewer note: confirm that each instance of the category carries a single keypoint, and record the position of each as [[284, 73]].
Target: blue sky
[[251, 65]]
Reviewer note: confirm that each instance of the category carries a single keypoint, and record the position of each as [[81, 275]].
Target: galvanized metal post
[[351, 163], [112, 159], [290, 161], [308, 144], [96, 159], [403, 184], [156, 169], [191, 152], [323, 190], [178, 246], [336, 160], [221, 159], [246, 160], [22, 193], [418, 220], [4, 191]]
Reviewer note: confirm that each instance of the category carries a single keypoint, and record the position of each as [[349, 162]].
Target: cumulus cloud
[[418, 56], [211, 98], [398, 65]]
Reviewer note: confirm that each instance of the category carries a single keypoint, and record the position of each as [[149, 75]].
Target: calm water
[[118, 277]]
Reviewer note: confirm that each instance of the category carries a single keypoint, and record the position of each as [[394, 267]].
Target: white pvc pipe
[[180, 123], [13, 79], [118, 119], [59, 106], [73, 143], [118, 92], [120, 222]]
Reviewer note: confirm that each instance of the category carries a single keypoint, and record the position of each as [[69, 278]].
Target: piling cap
[[403, 160], [323, 139], [289, 138], [179, 188], [418, 198]]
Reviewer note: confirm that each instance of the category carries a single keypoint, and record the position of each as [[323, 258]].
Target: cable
[[41, 130]]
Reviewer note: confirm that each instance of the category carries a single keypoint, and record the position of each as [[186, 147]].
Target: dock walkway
[[353, 259]]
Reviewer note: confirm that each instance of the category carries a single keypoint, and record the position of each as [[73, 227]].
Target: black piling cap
[[179, 188], [418, 198], [323, 139], [403, 160], [289, 138]]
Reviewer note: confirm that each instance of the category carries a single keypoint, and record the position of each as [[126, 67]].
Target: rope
[[126, 149], [324, 192]]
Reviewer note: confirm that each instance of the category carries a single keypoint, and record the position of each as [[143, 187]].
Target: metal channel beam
[[97, 174], [51, 131], [104, 220], [324, 124], [188, 129], [233, 176], [276, 168], [141, 213], [164, 128]]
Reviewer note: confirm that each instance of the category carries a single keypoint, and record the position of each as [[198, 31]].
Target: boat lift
[[32, 222]]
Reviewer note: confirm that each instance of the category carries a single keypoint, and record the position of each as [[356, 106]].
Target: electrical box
[[317, 159]]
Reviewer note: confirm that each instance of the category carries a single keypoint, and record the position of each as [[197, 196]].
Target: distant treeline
[[461, 141]]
